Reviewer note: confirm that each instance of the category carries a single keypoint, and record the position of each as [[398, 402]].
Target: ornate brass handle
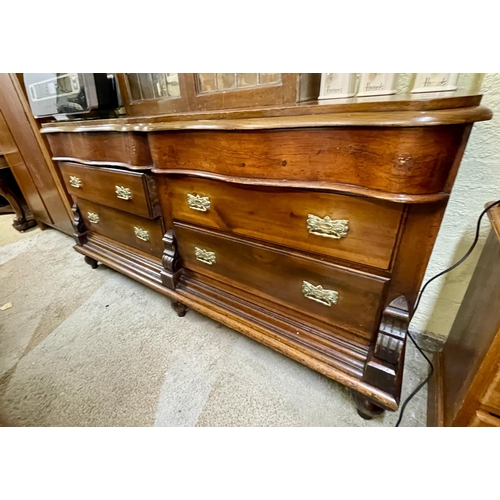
[[142, 234], [93, 217], [319, 294], [123, 193], [197, 202], [204, 256], [327, 227], [76, 182]]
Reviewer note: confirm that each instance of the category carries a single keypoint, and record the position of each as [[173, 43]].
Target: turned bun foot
[[91, 262], [366, 409], [179, 308], [21, 224]]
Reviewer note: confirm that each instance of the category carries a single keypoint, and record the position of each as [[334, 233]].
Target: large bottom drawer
[[332, 294], [138, 232]]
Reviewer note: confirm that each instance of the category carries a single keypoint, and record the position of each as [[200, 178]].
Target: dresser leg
[[171, 271], [179, 308], [384, 365], [366, 409], [91, 262]]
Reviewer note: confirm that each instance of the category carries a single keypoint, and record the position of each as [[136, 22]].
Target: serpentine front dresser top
[[308, 231]]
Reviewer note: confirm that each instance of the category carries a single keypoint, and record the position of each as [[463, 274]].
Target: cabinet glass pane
[[146, 84], [134, 86], [206, 82], [159, 82], [153, 86], [247, 79], [173, 85], [225, 81], [216, 82], [268, 78]]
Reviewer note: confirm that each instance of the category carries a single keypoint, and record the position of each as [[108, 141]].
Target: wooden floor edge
[[435, 394]]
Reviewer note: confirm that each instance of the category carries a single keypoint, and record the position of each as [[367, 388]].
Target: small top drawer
[[118, 149], [128, 191], [394, 160], [345, 227]]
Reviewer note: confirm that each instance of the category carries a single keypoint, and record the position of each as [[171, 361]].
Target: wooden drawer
[[484, 419], [138, 232], [120, 149], [129, 191], [349, 299], [359, 230], [491, 397], [392, 160]]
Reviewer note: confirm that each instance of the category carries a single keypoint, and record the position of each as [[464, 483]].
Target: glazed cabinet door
[[211, 91], [156, 93]]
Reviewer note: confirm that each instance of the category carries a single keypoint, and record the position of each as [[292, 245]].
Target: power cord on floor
[[428, 282]]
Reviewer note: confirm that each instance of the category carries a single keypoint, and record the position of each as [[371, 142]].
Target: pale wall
[[477, 183]]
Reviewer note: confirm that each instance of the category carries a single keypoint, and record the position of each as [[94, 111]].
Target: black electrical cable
[[428, 282]]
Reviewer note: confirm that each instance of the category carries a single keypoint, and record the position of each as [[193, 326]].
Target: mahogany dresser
[[465, 391], [306, 227]]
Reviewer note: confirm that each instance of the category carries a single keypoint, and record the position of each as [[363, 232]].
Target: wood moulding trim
[[435, 394], [318, 186], [415, 103], [494, 215], [353, 119], [207, 300], [221, 311], [101, 163]]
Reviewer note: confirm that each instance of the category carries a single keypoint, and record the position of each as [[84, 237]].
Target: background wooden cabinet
[[29, 159], [156, 93]]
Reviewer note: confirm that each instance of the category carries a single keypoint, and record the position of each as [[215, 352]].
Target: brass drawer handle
[[76, 182], [196, 202], [142, 234], [204, 256], [123, 193], [93, 217], [319, 294], [327, 227]]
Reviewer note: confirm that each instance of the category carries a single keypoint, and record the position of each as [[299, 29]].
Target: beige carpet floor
[[83, 347]]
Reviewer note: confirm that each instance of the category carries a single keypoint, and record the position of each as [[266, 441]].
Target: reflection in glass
[[153, 86], [216, 82], [225, 81]]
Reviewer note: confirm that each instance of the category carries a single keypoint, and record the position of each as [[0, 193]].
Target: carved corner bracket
[[384, 366], [172, 270], [81, 231], [392, 331]]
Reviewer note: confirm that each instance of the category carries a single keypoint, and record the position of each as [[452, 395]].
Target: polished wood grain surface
[[396, 110], [129, 150], [332, 187], [483, 419], [121, 226], [252, 261], [491, 398], [100, 185], [408, 161], [279, 276], [280, 216]]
